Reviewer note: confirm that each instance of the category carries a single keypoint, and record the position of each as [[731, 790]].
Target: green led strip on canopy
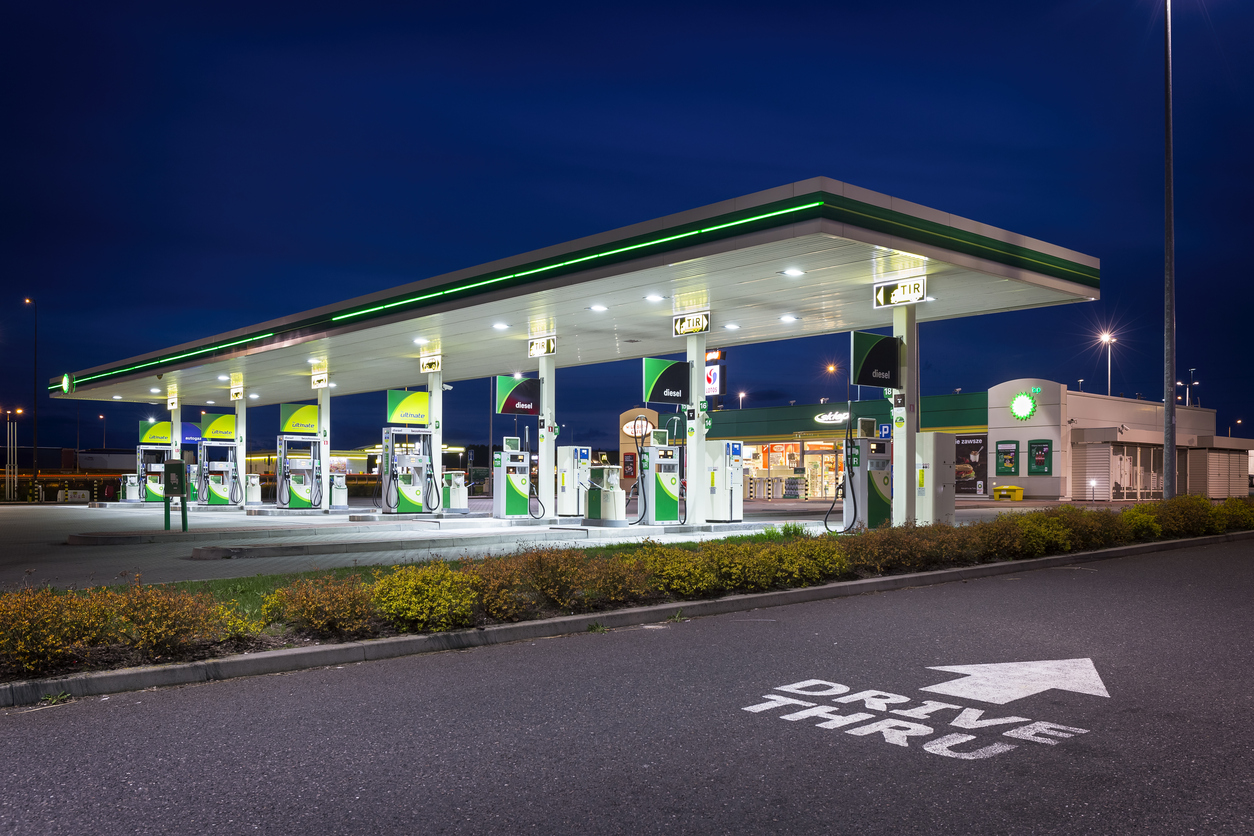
[[160, 360]]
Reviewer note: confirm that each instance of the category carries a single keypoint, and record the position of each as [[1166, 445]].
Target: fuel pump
[[299, 478], [868, 483], [217, 476], [408, 484], [659, 477], [606, 499], [511, 494], [574, 466], [727, 481], [150, 465]]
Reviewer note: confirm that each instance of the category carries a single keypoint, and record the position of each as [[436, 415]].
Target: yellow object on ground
[[1011, 492]]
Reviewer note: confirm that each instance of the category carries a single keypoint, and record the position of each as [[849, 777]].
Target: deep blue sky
[[234, 162]]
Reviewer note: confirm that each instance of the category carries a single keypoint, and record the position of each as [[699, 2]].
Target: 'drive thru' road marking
[[850, 712]]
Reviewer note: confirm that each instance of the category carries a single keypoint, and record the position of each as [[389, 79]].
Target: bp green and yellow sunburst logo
[[1023, 406]]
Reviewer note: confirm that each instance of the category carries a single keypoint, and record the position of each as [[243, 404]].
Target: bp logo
[[1023, 406]]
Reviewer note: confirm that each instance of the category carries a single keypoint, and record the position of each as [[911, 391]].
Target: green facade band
[[817, 205], [665, 381]]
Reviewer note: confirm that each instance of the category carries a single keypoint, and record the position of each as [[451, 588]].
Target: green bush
[[504, 592], [1235, 514], [324, 606], [743, 567], [1043, 534], [1141, 523], [426, 598], [812, 560], [1000, 538], [1185, 516], [688, 574], [41, 628], [1091, 529]]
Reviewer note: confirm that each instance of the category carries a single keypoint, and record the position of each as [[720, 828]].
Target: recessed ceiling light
[[653, 297], [154, 391], [421, 341], [117, 397], [788, 318], [517, 375], [209, 402], [223, 377], [500, 326], [794, 272], [313, 360], [331, 385], [731, 326], [598, 308], [254, 396]]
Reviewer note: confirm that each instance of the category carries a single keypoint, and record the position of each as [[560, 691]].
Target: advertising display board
[[408, 407], [971, 464], [218, 428], [1040, 457], [876, 360], [665, 381], [1007, 458], [298, 418], [158, 432], [517, 395], [715, 381]]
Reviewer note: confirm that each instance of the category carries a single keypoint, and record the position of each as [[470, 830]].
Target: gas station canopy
[[794, 261]]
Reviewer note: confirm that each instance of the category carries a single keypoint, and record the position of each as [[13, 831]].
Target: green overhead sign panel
[[298, 418], [876, 360], [517, 395], [666, 381], [409, 407], [218, 428]]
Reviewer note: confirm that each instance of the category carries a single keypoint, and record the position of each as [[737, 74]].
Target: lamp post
[[1189, 387], [1169, 275], [742, 400], [104, 433], [35, 394], [1110, 341], [1081, 381], [1237, 422]]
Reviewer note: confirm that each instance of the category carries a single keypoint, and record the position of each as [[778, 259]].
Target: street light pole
[[1169, 278], [35, 395], [104, 433], [1110, 341], [742, 400]]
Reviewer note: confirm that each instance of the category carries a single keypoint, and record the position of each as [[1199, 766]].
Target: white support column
[[176, 436], [324, 438], [241, 449], [906, 327], [435, 388], [697, 477], [546, 478]]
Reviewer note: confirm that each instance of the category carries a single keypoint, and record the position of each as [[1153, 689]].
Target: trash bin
[[1010, 492]]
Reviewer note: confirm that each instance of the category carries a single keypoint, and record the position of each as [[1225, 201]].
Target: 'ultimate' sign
[[903, 292]]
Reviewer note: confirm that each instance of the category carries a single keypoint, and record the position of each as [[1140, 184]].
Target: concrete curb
[[300, 658]]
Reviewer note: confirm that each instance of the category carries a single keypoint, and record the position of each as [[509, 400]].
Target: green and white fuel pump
[[299, 476], [511, 479], [607, 501], [868, 483], [573, 471], [405, 466], [217, 475], [660, 481], [150, 465]]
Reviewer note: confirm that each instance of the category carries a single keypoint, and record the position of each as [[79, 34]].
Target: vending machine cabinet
[[339, 491], [252, 489], [935, 477]]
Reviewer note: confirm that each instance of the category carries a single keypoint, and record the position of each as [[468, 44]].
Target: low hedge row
[[42, 628]]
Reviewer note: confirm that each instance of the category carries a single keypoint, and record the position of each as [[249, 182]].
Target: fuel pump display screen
[[880, 447], [665, 453]]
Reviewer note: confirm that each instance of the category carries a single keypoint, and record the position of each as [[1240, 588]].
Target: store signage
[[694, 323], [715, 382], [237, 386], [431, 363], [715, 355], [1023, 406], [298, 418], [903, 292], [517, 395], [639, 428], [218, 428], [172, 402], [542, 347], [832, 418], [876, 360], [665, 381]]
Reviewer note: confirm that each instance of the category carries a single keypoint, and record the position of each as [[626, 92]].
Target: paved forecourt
[[1106, 698]]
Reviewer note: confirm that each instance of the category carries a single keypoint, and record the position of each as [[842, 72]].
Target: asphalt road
[[646, 730]]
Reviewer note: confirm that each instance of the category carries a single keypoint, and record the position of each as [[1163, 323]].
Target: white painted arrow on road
[[1010, 681]]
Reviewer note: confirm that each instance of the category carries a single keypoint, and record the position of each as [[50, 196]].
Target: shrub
[[793, 530], [1235, 514], [162, 620], [324, 606], [504, 592], [811, 560], [1185, 516], [1091, 529], [688, 574], [886, 550], [557, 575], [1000, 538], [616, 580], [1141, 523], [743, 567], [1042, 535], [426, 598], [41, 628]]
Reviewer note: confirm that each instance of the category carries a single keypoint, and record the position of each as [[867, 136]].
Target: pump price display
[[687, 324], [903, 292], [542, 347]]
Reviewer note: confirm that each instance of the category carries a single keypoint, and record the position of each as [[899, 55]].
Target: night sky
[[228, 163]]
